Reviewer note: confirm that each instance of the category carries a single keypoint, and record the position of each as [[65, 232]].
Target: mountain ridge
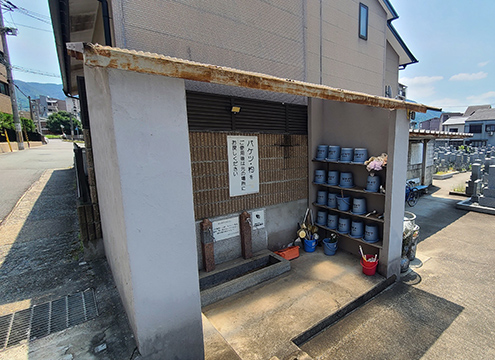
[[35, 89]]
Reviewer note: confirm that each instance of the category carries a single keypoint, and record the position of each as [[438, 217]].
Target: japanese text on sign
[[243, 165]]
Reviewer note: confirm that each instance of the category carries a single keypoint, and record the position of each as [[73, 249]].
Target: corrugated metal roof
[[455, 120], [110, 57]]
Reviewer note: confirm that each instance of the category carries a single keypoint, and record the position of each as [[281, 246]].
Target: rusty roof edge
[[419, 133], [145, 62]]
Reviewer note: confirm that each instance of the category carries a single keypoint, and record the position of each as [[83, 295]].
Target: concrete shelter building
[[157, 132]]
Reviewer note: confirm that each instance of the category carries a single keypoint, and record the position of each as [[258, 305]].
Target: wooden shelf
[[377, 245], [348, 213], [338, 162], [357, 190]]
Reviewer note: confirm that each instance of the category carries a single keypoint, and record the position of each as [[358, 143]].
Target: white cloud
[[420, 80], [420, 87], [484, 98], [483, 64], [446, 104], [469, 77]]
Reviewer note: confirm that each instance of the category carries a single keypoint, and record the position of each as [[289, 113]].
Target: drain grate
[[41, 320]]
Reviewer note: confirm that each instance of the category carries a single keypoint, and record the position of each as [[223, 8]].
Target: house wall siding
[[310, 41]]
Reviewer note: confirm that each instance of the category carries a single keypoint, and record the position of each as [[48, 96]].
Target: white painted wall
[[142, 164]]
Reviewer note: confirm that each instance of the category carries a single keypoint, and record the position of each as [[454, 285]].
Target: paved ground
[[40, 262], [20, 169], [444, 309]]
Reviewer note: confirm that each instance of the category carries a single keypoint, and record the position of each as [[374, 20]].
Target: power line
[[33, 71], [32, 27], [7, 5]]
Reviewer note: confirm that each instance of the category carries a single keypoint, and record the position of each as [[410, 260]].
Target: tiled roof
[[483, 114], [471, 109]]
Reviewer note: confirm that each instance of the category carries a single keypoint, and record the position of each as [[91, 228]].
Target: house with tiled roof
[[482, 125]]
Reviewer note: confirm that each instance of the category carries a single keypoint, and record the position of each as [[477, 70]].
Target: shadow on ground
[[415, 319], [41, 261], [434, 214]]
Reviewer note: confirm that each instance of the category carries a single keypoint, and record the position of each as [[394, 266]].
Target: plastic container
[[343, 203], [289, 253], [321, 197], [357, 229], [332, 221], [346, 155], [359, 206], [332, 200], [360, 155], [319, 176], [329, 248], [369, 267], [333, 177], [333, 153], [321, 152], [344, 225], [346, 180], [309, 245], [373, 183], [370, 233], [321, 217]]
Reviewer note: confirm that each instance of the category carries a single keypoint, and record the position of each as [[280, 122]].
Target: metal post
[[10, 80]]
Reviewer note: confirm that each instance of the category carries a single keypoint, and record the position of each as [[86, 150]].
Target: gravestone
[[488, 197], [474, 182]]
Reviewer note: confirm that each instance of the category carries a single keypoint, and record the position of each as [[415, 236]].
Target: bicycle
[[412, 194]]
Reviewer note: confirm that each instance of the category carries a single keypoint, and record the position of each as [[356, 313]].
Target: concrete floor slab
[[260, 322]]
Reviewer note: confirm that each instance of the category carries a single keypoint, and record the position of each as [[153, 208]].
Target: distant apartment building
[[45, 106]]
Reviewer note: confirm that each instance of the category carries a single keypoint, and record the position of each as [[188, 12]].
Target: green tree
[[7, 122], [55, 121]]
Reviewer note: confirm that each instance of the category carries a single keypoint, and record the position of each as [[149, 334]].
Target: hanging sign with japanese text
[[243, 165]]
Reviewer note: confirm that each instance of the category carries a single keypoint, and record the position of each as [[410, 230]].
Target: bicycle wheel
[[413, 197]]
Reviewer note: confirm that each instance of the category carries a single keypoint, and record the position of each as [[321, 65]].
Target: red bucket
[[369, 267]]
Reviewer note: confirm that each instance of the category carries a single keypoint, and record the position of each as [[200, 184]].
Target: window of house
[[475, 128], [363, 21], [490, 128], [454, 130], [4, 88]]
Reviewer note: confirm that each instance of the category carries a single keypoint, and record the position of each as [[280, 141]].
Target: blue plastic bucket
[[332, 200], [309, 245], [332, 221], [344, 225], [333, 153], [371, 233], [321, 197], [333, 177], [346, 155], [329, 248], [343, 203], [319, 176], [357, 229], [321, 217], [321, 152], [359, 206], [360, 155], [346, 180], [373, 183]]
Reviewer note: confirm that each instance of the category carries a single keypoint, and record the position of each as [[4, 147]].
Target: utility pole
[[10, 80]]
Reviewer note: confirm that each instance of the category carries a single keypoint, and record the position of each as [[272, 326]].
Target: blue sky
[[453, 40], [32, 48]]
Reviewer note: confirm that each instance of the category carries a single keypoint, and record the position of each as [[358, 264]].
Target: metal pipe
[[106, 22]]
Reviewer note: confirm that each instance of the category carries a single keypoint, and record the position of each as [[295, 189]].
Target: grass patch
[[53, 136], [458, 188]]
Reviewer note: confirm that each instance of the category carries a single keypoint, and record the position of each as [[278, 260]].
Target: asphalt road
[[20, 169]]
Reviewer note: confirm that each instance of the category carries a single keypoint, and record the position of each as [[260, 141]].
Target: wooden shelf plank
[[348, 213], [355, 189], [377, 245]]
